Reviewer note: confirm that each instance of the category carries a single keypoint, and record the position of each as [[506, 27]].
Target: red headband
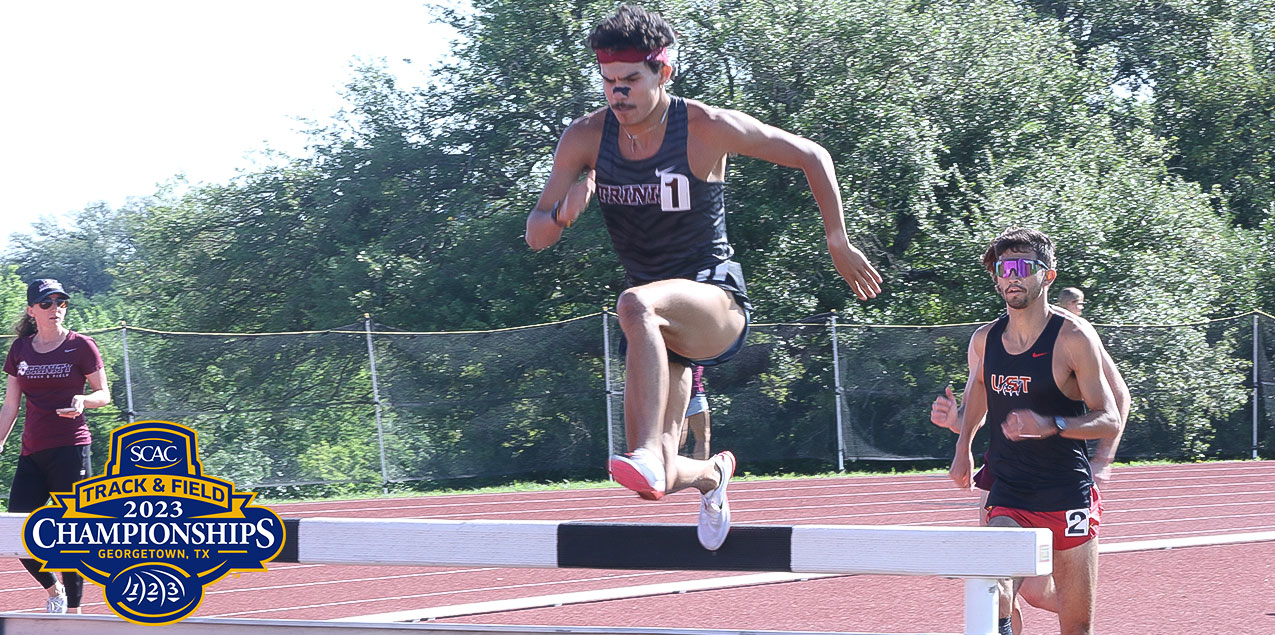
[[606, 56]]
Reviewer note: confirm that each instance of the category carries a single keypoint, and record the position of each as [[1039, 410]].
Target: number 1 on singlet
[[675, 192]]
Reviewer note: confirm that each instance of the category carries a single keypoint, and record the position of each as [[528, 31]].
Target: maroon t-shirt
[[49, 380]]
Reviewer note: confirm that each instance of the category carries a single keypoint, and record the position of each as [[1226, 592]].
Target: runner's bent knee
[[696, 320], [635, 308]]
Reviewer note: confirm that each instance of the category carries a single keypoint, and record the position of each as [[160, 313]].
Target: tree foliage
[[947, 122], [1138, 133], [1208, 70]]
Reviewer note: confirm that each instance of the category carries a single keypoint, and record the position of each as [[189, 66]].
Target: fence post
[[376, 401], [836, 380], [1255, 383], [128, 374], [606, 378]]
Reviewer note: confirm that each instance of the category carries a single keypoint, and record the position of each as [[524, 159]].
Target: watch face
[[1061, 423]]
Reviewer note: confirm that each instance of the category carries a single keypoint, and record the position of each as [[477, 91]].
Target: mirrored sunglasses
[[62, 303], [1017, 267]]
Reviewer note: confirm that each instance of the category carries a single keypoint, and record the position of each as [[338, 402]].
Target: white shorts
[[699, 403]]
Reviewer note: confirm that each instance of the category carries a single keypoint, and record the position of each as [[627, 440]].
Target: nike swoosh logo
[[68, 350], [1039, 354]]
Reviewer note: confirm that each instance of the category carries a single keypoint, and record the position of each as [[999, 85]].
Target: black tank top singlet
[[664, 222], [1050, 474]]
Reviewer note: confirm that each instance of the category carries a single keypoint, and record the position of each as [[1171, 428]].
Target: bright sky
[[103, 100]]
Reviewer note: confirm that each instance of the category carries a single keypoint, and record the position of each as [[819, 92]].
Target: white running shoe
[[56, 603], [714, 509], [640, 471]]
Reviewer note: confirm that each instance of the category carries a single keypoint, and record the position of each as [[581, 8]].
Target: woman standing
[[49, 365]]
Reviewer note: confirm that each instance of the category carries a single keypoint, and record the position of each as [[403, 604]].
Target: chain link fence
[[367, 405]]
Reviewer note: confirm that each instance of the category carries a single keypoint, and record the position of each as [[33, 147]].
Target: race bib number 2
[[1077, 522]]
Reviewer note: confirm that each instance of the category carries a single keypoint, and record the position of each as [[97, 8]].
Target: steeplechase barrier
[[980, 555], [20, 624]]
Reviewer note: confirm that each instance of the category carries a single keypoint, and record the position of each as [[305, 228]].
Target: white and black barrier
[[980, 555]]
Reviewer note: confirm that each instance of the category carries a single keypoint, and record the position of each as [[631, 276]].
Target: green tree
[[81, 255], [947, 120], [1207, 68], [13, 297]]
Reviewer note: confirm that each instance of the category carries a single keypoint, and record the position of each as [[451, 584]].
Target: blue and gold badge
[[153, 531]]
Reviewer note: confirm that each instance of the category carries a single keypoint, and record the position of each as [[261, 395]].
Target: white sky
[[101, 100]]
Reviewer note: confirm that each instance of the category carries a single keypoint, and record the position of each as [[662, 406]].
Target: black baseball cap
[[41, 289]]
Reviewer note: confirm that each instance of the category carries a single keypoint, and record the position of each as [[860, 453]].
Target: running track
[[1216, 589]]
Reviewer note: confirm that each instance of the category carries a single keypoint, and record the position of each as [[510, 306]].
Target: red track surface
[[1215, 589]]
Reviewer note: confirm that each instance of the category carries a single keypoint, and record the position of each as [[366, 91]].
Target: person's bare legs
[[1039, 592], [698, 321], [698, 424], [1076, 581], [681, 440], [1009, 588]]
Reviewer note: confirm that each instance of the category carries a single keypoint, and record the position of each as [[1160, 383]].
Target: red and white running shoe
[[714, 509]]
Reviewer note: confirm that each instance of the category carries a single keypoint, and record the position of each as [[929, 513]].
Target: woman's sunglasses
[[1017, 267], [62, 303]]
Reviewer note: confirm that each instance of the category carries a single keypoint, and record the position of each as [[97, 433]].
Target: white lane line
[[500, 606], [1187, 520], [625, 501], [949, 505], [1198, 541], [1138, 499], [451, 592], [1121, 489], [1119, 494], [615, 493], [964, 504], [1180, 507], [1219, 466], [850, 481], [12, 571], [787, 489], [679, 587], [1125, 512], [545, 601], [631, 504], [1137, 478], [350, 580]]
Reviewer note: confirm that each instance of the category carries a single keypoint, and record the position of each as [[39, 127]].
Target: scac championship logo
[[153, 531]]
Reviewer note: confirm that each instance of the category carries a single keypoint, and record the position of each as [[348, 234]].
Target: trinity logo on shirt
[[672, 193], [1010, 385], [44, 371], [635, 195]]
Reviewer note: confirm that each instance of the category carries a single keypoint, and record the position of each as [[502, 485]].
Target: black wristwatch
[[1060, 423]]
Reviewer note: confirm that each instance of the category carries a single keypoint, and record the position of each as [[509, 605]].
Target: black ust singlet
[[1050, 474]]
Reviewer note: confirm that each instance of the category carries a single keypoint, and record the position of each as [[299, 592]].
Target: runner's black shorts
[[727, 276]]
